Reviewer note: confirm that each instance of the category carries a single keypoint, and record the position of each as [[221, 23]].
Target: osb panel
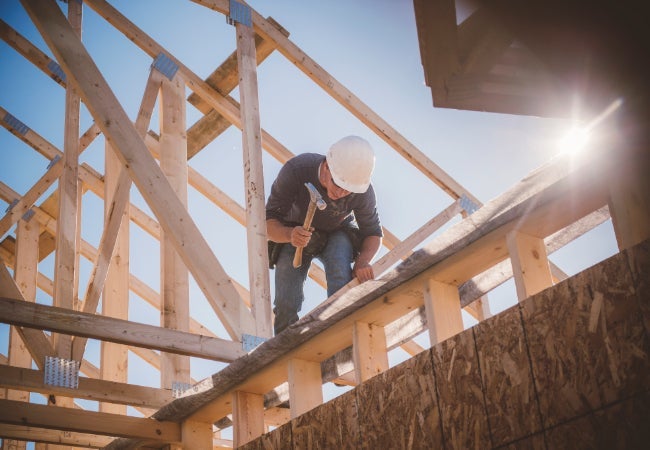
[[534, 442], [331, 425], [639, 261], [622, 426], [252, 445], [460, 394], [278, 439], [505, 369], [398, 408], [587, 342]]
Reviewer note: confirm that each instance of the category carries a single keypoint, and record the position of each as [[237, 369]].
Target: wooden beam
[[305, 386], [31, 52], [33, 434], [25, 271], [402, 249], [442, 305], [258, 259], [530, 265], [88, 389], [143, 169], [61, 320], [370, 350], [31, 196], [247, 417], [196, 435], [66, 258], [174, 276], [68, 419]]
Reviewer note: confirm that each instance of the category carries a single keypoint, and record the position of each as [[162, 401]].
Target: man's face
[[334, 191]]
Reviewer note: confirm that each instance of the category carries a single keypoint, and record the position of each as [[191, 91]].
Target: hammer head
[[315, 197]]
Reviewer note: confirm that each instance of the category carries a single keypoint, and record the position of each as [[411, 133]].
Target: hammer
[[315, 201]]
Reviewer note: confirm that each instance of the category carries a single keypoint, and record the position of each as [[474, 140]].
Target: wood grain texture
[[332, 425], [587, 342], [505, 369], [460, 393], [399, 409]]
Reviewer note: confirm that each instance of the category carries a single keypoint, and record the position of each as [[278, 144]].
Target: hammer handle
[[297, 257]]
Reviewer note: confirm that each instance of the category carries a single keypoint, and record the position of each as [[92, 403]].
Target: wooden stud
[[174, 277], [258, 260], [195, 435], [66, 262], [305, 386], [114, 263], [530, 264], [247, 417], [442, 306], [25, 271], [629, 204], [369, 349]]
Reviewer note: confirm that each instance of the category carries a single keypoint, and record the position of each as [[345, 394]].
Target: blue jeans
[[337, 259]]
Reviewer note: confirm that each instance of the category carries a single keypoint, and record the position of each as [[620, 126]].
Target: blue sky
[[370, 46]]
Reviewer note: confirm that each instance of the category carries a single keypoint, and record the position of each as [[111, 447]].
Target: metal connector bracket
[[62, 372], [469, 206], [165, 65], [53, 161], [16, 124], [56, 70], [239, 13], [250, 342]]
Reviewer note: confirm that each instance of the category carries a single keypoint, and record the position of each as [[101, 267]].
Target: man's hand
[[362, 269], [300, 237], [363, 272]]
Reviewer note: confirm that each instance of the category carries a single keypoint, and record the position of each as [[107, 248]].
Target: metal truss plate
[[179, 388], [16, 124], [239, 13], [61, 372], [249, 342], [469, 206], [165, 65], [56, 70]]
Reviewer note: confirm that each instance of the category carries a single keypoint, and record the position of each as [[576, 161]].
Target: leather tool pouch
[[274, 253], [317, 243]]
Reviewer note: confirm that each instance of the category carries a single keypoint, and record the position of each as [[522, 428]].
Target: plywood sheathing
[[505, 369], [332, 426], [460, 392], [587, 355]]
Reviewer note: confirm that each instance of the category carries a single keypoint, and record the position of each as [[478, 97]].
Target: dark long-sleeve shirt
[[289, 200]]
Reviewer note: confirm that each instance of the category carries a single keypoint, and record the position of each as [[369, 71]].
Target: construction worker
[[345, 236]]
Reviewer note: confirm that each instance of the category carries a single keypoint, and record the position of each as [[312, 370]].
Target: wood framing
[[500, 58]]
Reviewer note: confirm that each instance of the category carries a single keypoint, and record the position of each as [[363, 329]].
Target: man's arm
[[278, 232], [362, 269]]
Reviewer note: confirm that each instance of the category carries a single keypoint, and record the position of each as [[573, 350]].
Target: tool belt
[[316, 244]]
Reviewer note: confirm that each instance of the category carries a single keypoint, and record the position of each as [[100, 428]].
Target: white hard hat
[[351, 161]]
